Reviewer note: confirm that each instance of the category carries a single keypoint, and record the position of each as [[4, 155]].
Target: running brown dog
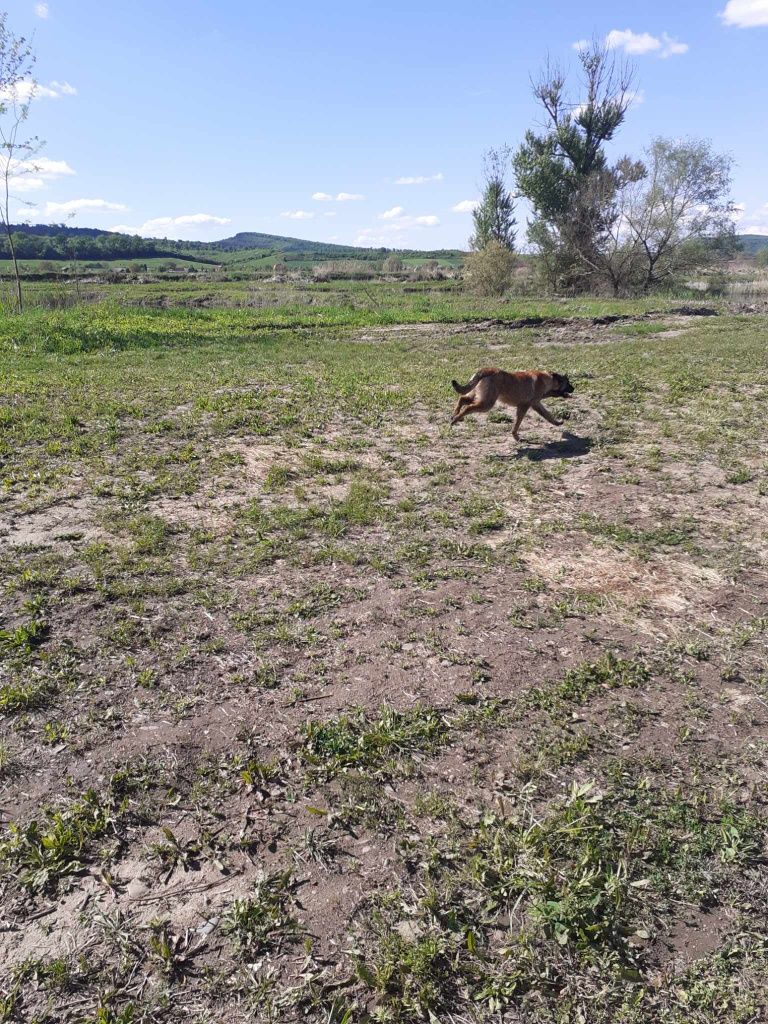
[[525, 390]]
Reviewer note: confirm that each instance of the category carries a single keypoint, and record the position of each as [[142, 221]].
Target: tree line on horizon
[[29, 245], [627, 227]]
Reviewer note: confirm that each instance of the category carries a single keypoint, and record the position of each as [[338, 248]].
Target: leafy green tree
[[761, 257], [681, 214], [494, 218], [564, 171]]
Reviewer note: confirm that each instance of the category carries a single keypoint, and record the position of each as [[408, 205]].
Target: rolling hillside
[[63, 242], [753, 243]]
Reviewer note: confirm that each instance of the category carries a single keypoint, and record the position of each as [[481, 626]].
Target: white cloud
[[397, 221], [297, 214], [192, 218], [30, 184], [671, 47], [466, 206], [640, 43], [420, 179], [27, 89], [631, 42], [745, 13], [78, 205], [369, 237], [34, 173], [751, 223], [342, 197], [158, 226], [42, 11], [43, 166], [64, 88]]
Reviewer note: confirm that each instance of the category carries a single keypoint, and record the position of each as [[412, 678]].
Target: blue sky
[[352, 122]]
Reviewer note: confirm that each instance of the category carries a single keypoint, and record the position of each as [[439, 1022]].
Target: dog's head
[[561, 386]]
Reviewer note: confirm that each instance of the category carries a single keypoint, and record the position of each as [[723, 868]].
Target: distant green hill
[[753, 243], [247, 241], [277, 243], [63, 242]]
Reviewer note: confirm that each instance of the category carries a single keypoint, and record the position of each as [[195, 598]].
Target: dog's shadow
[[570, 446]]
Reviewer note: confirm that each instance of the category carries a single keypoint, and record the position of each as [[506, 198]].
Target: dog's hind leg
[[464, 400], [481, 404], [521, 411]]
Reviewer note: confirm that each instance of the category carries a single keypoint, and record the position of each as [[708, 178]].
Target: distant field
[[316, 709], [253, 259], [84, 266], [323, 302]]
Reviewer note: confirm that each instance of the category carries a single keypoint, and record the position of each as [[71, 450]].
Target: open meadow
[[316, 708]]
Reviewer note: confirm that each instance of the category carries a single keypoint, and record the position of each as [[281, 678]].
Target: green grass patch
[[377, 743], [578, 685]]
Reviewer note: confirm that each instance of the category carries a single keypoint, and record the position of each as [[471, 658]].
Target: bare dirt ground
[[361, 715]]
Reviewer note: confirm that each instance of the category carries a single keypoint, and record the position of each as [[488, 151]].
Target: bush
[[393, 264], [717, 284], [490, 269]]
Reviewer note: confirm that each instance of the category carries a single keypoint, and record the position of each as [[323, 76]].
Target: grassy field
[[304, 303], [315, 708]]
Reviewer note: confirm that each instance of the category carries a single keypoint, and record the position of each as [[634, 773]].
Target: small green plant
[[25, 638], [8, 763], [416, 975], [258, 774], [278, 477], [577, 685], [109, 1015], [262, 921], [740, 475], [372, 742], [174, 851], [30, 696], [43, 851], [55, 733]]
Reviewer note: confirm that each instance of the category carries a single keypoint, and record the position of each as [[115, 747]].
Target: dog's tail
[[464, 389]]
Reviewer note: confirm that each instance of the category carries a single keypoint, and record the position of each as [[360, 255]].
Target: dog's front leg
[[539, 408]]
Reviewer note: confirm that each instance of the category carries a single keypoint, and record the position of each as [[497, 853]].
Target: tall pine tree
[[494, 217]]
